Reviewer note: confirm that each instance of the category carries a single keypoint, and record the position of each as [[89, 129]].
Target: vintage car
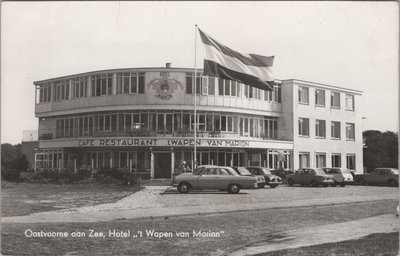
[[341, 176], [214, 177], [310, 176], [270, 179], [245, 172], [387, 176]]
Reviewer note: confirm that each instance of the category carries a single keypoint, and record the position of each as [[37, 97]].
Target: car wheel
[[261, 185], [290, 182], [333, 184], [392, 183], [342, 185], [314, 183], [234, 188], [272, 186], [184, 188]]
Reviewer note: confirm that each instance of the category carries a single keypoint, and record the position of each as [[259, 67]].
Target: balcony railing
[[50, 134]]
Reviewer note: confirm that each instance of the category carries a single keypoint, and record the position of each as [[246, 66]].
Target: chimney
[[168, 65]]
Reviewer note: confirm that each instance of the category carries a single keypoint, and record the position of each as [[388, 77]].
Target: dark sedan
[[270, 179]]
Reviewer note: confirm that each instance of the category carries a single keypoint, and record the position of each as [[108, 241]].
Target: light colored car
[[245, 172], [214, 177], [341, 176], [310, 176], [270, 179], [389, 176]]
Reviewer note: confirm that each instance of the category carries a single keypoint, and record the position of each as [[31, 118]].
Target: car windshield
[[346, 171], [266, 171], [243, 171], [320, 172]]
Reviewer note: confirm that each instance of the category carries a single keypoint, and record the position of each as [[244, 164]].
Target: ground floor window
[[320, 160], [336, 160], [304, 159], [351, 161]]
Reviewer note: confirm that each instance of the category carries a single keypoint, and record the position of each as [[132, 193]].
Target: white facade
[[142, 119]]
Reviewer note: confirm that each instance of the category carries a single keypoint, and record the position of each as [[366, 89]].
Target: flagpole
[[194, 99]]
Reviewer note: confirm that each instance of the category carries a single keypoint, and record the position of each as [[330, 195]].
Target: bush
[[129, 178], [10, 174]]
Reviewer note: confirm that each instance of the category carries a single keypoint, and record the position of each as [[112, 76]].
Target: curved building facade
[[142, 119]]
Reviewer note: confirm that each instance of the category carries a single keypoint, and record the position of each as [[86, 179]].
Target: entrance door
[[162, 165]]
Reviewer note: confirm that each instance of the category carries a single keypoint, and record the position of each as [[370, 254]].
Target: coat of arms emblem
[[164, 86]]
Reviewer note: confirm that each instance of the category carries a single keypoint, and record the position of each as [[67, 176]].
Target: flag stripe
[[250, 59], [212, 54], [212, 68]]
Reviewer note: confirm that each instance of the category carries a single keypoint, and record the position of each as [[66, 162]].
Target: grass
[[374, 245], [26, 198], [239, 229]]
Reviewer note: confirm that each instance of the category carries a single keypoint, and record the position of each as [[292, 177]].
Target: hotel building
[[142, 119]]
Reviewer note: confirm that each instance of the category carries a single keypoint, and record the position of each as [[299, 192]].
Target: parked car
[[245, 172], [270, 179], [310, 176], [387, 176], [214, 177], [341, 176]]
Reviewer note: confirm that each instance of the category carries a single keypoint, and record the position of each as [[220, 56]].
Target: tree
[[381, 149]]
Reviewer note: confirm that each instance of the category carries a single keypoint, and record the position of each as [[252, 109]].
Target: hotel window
[[198, 84], [80, 87], [44, 93], [304, 160], [350, 135], [211, 86], [303, 95], [304, 127], [61, 90], [335, 130], [320, 160], [227, 87], [204, 86], [320, 128], [233, 88], [349, 102], [278, 93], [320, 98], [189, 83], [101, 85], [220, 86], [335, 100], [351, 162], [336, 161]]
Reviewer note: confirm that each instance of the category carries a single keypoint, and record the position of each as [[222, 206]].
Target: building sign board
[[164, 142]]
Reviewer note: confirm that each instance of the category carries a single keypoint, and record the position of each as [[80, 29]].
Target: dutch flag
[[223, 62]]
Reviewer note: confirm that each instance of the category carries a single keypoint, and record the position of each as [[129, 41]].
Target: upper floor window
[[335, 130], [102, 85], [130, 82], [304, 128], [43, 93], [61, 90], [349, 102], [350, 134], [190, 83], [320, 97], [303, 95], [320, 128], [80, 86], [335, 100]]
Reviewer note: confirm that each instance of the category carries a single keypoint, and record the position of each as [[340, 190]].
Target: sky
[[346, 44]]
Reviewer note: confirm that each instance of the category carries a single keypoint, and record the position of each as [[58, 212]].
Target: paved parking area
[[161, 201]]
